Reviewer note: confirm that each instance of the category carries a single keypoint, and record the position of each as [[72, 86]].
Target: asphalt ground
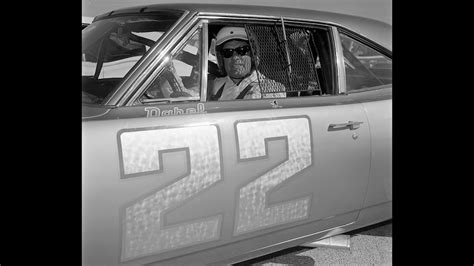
[[369, 246]]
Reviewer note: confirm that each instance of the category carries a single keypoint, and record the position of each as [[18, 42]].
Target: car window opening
[[285, 55], [287, 59], [365, 67]]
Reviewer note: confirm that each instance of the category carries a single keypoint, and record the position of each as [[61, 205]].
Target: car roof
[[375, 30]]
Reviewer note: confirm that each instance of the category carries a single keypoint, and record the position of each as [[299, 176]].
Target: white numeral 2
[[144, 232], [253, 212]]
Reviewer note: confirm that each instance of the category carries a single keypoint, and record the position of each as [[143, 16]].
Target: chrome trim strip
[[341, 71], [204, 59], [149, 80], [211, 15]]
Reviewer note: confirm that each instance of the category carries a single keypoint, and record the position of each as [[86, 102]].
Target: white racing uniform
[[231, 90]]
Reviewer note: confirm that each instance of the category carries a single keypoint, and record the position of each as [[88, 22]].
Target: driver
[[235, 61]]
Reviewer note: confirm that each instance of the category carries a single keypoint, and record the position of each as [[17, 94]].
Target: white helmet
[[231, 33]]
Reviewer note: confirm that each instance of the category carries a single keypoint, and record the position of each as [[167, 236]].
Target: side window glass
[[180, 78], [365, 67]]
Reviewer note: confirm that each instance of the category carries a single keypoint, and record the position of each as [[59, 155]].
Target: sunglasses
[[243, 50]]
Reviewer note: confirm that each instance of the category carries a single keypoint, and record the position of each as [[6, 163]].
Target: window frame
[[365, 41], [370, 43], [147, 64], [197, 29], [289, 22], [169, 47]]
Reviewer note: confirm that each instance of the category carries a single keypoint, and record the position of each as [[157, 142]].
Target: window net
[[286, 68]]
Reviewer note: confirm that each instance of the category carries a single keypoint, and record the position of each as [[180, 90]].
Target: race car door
[[218, 182]]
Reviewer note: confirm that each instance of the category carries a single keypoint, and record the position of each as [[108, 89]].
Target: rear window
[[365, 67]]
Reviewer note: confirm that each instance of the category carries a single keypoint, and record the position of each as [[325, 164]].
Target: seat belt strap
[[244, 92], [218, 94]]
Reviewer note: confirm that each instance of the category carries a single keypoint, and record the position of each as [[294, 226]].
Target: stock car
[[171, 176]]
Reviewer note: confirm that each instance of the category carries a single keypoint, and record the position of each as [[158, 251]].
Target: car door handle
[[350, 124]]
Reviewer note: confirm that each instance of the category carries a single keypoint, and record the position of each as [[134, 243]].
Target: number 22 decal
[[144, 231], [252, 211]]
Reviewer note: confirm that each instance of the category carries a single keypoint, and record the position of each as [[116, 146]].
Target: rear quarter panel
[[379, 114]]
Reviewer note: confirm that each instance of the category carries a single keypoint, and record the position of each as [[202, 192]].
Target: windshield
[[112, 46]]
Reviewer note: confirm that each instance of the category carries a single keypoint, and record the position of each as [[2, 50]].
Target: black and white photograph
[[236, 132]]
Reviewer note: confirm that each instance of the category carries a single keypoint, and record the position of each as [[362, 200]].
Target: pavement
[[369, 246]]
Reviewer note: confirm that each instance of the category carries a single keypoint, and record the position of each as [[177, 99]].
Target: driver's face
[[237, 66]]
